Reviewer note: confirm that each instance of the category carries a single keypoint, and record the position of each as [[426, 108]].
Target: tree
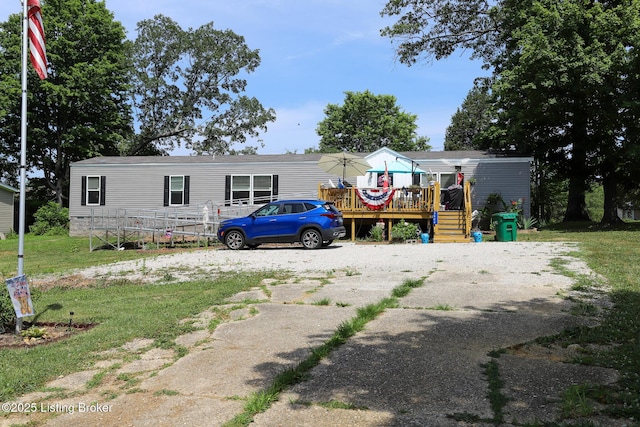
[[564, 78], [471, 120], [81, 109], [367, 122], [561, 77], [434, 29], [182, 75]]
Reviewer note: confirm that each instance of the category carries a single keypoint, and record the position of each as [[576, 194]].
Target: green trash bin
[[506, 225]]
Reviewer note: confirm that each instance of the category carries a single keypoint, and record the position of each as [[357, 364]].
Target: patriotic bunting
[[375, 199]]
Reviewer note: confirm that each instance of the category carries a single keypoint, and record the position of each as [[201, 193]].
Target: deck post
[[353, 229]]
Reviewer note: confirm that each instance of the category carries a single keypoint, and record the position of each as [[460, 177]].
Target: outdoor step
[[451, 228], [446, 238], [451, 224]]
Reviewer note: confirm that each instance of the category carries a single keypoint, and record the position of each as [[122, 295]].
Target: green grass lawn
[[125, 310], [615, 255], [122, 312], [55, 254]]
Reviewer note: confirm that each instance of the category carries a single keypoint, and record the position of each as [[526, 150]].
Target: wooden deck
[[415, 205]]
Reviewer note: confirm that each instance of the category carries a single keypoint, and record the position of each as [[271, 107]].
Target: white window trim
[[98, 190], [251, 200], [171, 190]]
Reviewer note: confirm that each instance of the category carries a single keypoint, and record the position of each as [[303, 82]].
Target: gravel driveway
[[369, 260]]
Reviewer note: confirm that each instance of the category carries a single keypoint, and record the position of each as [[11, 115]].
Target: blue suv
[[314, 223]]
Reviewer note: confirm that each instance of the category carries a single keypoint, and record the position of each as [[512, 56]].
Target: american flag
[[37, 49], [385, 182]]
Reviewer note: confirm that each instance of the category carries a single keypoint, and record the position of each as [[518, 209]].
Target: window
[[447, 179], [250, 189], [241, 189], [262, 189], [293, 208], [267, 210], [93, 191], [176, 190]]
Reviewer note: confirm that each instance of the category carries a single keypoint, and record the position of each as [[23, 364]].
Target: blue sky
[[313, 51]]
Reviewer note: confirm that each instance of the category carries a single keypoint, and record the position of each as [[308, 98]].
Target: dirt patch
[[72, 281], [52, 332], [553, 353]]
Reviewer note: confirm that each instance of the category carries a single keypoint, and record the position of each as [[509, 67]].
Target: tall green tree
[[188, 89], [366, 122], [562, 72], [563, 76], [471, 121], [81, 110]]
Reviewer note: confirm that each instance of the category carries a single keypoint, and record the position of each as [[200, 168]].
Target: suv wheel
[[311, 239], [234, 240]]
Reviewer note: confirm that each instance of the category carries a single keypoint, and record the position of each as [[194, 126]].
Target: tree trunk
[[576, 202], [579, 170], [610, 186]]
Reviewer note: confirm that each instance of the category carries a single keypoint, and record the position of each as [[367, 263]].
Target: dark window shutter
[[227, 190], [83, 195], [274, 190], [103, 186], [166, 190], [186, 189]]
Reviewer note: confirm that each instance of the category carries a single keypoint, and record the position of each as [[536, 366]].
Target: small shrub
[[51, 220], [405, 230], [7, 313], [11, 235], [526, 223], [34, 332], [376, 234], [494, 203]]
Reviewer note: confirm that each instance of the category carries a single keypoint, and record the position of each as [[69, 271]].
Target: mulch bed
[[55, 332]]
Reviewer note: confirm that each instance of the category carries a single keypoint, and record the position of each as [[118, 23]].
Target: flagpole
[[23, 150]]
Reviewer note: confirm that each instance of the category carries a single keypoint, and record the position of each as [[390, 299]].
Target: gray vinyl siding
[[142, 186], [138, 182], [6, 210], [509, 177]]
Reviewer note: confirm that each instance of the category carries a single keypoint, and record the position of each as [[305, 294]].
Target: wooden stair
[[451, 228]]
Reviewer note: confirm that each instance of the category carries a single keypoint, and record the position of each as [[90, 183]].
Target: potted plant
[[431, 177], [415, 189]]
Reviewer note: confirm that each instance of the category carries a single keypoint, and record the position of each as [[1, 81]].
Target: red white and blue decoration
[[375, 199]]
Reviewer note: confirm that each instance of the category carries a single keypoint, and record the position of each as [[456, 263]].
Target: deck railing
[[423, 199], [467, 208]]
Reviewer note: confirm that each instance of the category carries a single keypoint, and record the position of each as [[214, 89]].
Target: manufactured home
[[7, 197], [218, 186]]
